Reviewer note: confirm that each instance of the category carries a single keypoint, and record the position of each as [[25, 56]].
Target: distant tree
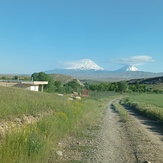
[[113, 86], [58, 86], [122, 86], [73, 86], [101, 87], [133, 88], [15, 78], [87, 85], [4, 78], [142, 88], [93, 87], [41, 76], [137, 85]]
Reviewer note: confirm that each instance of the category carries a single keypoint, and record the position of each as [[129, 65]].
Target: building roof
[[34, 82], [25, 82]]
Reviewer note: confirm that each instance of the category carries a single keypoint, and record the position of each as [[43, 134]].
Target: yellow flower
[[62, 115]]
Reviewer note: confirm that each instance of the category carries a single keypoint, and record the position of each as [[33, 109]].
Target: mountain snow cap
[[128, 68], [84, 64]]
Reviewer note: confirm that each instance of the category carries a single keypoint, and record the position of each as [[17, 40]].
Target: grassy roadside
[[80, 146], [38, 142], [121, 111], [150, 105], [35, 142]]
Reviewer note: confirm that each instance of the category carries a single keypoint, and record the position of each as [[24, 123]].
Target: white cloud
[[134, 60]]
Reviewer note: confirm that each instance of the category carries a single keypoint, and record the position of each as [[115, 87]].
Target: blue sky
[[38, 35]]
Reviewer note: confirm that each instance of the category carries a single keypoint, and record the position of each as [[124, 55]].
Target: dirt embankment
[[16, 124]]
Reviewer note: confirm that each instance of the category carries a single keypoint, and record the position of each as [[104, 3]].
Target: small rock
[[59, 153], [88, 141], [78, 143], [60, 144]]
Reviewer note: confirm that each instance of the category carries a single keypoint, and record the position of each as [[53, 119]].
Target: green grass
[[121, 111], [16, 102], [38, 142], [151, 105], [148, 99], [35, 142], [98, 95]]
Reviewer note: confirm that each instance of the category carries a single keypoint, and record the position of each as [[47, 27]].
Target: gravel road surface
[[132, 142]]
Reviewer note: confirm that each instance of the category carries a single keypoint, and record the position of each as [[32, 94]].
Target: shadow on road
[[154, 126]]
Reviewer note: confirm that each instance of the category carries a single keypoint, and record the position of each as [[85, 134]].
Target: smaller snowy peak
[[127, 68], [84, 64]]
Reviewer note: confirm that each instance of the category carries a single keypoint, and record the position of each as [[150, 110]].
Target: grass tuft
[[122, 112]]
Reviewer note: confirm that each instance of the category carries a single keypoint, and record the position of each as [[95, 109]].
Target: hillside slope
[[32, 124], [61, 77], [103, 75]]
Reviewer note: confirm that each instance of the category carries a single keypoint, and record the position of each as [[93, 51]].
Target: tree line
[[57, 86], [122, 86]]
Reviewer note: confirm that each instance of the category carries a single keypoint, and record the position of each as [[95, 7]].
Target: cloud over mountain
[[134, 60]]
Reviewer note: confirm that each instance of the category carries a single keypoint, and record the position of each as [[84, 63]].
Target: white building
[[30, 85]]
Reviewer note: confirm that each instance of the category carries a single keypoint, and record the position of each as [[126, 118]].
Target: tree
[[101, 87], [57, 86], [133, 88], [73, 86], [113, 87], [93, 87], [87, 85], [4, 78], [15, 78], [122, 86], [41, 76]]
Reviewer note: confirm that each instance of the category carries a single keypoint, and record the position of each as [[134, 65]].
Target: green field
[[150, 105], [148, 99]]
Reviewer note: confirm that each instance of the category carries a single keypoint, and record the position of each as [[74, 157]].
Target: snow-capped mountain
[[127, 68], [87, 69], [84, 64]]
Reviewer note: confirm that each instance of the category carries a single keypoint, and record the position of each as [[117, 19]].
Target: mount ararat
[[86, 69], [84, 64]]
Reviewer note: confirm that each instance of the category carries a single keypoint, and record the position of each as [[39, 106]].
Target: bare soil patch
[[16, 124]]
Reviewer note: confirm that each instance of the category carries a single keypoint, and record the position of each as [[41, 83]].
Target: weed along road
[[128, 141]]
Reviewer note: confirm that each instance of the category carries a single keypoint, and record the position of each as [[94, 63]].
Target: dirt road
[[138, 140], [131, 142]]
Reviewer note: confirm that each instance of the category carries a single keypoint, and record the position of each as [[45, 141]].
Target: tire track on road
[[113, 143], [130, 142]]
